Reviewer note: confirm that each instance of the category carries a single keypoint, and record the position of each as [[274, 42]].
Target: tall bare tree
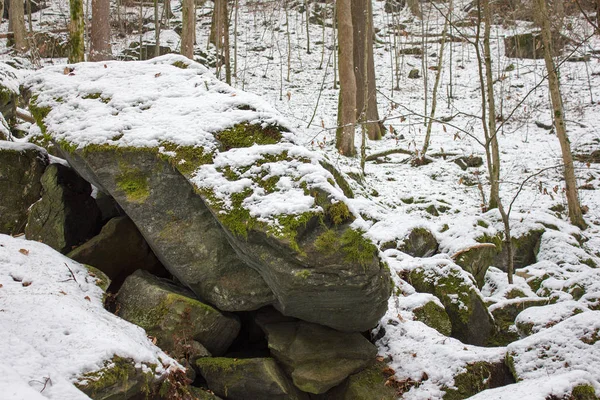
[[575, 214], [347, 99], [366, 103], [100, 49], [16, 15], [219, 36], [188, 29], [76, 32]]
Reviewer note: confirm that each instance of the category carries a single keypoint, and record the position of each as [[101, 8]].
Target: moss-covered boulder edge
[[294, 249]]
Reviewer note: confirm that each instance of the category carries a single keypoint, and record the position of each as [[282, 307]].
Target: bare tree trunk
[[347, 99], [219, 36], [415, 8], [76, 32], [362, 23], [493, 138], [156, 29], [16, 14], [2, 10], [575, 214], [188, 28], [100, 31]]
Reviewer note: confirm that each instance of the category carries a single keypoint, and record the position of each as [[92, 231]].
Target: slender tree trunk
[[366, 103], [100, 31], [575, 214], [76, 32], [188, 28], [347, 99], [16, 14], [307, 7], [493, 138], [415, 8], [219, 36], [156, 29]]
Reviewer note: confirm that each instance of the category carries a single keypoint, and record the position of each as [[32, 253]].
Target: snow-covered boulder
[[214, 181], [471, 321], [56, 339], [21, 167], [534, 320], [570, 345]]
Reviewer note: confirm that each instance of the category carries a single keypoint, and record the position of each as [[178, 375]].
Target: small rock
[[414, 74]]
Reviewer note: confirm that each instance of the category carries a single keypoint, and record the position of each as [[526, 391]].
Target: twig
[[72, 275]]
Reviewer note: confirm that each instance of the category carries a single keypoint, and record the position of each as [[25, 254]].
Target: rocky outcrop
[[118, 251], [248, 379], [505, 313], [66, 215], [9, 92], [476, 260], [471, 321], [478, 377], [434, 316], [317, 358], [370, 383], [182, 325], [21, 167], [419, 243], [205, 204], [529, 45]]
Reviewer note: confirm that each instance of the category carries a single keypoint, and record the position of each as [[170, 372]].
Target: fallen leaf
[[87, 298], [1, 285], [157, 75], [25, 284], [24, 251]]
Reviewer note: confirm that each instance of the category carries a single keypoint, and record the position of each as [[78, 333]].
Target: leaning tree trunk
[[363, 36], [100, 31], [188, 29], [76, 32], [16, 14], [575, 214], [347, 97]]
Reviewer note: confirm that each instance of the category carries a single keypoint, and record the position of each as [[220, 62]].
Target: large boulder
[[476, 260], [9, 92], [21, 167], [175, 317], [248, 379], [66, 215], [529, 45], [371, 383], [230, 205], [420, 242], [505, 313], [567, 346], [316, 357], [118, 251], [471, 320], [534, 320]]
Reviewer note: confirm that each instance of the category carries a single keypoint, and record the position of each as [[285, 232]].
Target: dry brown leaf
[[63, 292], [87, 298], [26, 283], [24, 251]]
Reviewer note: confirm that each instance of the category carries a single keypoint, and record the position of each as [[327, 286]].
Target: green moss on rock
[[476, 378], [352, 243], [134, 183], [245, 135], [434, 316]]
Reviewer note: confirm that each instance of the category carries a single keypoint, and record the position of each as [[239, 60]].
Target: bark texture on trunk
[[16, 15], [76, 32], [100, 49], [361, 11], [188, 29], [347, 99], [575, 214]]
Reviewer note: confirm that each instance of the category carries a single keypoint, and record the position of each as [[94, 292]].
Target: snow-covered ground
[[392, 196]]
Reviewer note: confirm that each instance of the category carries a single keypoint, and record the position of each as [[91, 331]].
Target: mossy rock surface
[[434, 316], [478, 377], [248, 379], [21, 167], [119, 379], [476, 260], [525, 249], [505, 314], [66, 215], [369, 383], [471, 321], [318, 358], [231, 206], [174, 316], [535, 320], [420, 242]]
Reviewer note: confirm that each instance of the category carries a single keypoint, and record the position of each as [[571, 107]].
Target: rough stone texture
[[525, 249], [471, 320], [434, 316], [8, 93], [419, 243], [21, 167], [478, 377], [248, 379], [466, 162], [118, 250], [174, 317], [66, 215], [119, 379], [504, 317], [476, 260], [109, 208], [369, 383], [177, 225], [316, 357]]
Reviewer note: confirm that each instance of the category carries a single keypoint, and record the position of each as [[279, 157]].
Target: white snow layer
[[54, 328]]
